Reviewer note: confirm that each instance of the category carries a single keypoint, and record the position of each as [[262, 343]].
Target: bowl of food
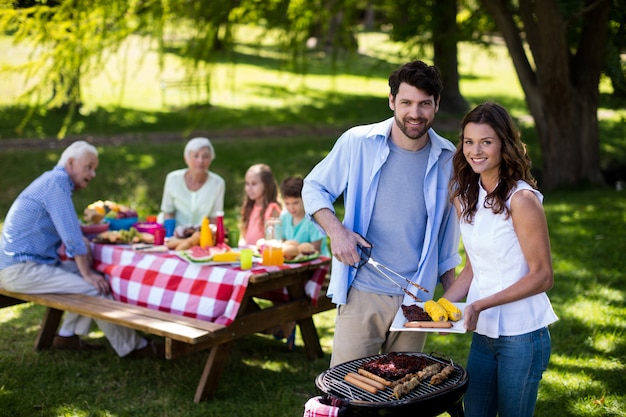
[[117, 216], [124, 223], [92, 230], [147, 227]]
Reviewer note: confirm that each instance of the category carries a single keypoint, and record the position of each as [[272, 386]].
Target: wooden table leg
[[212, 371], [311, 339], [6, 301], [48, 329]]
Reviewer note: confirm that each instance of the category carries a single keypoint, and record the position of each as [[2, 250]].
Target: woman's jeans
[[504, 374]]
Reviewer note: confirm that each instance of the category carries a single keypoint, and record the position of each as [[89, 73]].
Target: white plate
[[399, 320]]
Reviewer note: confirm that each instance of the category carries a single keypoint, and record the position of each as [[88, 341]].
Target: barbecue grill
[[424, 400]]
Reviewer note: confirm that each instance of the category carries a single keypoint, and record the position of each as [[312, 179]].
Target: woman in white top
[[508, 266], [191, 193]]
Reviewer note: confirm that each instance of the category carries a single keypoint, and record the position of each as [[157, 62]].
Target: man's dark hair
[[419, 75]]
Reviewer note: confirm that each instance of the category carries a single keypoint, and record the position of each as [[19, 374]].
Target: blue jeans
[[504, 374]]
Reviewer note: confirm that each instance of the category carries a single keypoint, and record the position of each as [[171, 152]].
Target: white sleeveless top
[[497, 263]]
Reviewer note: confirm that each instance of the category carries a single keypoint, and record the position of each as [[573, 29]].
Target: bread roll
[[173, 241], [306, 248], [184, 245], [194, 240], [290, 251]]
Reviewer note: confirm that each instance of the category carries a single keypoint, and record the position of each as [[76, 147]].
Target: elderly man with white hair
[[40, 220], [191, 193]]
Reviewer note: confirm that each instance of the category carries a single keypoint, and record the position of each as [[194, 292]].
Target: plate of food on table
[[293, 251], [430, 316], [106, 221], [123, 237], [186, 244], [220, 254]]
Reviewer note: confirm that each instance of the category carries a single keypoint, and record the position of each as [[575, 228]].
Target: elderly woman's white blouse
[[497, 263], [189, 207]]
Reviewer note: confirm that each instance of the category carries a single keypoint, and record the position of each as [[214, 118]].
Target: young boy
[[296, 226]]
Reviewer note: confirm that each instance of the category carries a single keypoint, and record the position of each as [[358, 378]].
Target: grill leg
[[456, 410]]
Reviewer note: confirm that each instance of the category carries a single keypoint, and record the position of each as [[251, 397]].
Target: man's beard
[[412, 132]]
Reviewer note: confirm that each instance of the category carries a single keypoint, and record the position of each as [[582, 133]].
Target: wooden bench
[[170, 326], [185, 335]]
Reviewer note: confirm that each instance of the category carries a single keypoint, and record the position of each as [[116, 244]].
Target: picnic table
[[220, 294]]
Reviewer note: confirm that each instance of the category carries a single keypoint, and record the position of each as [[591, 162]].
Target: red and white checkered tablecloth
[[165, 282]]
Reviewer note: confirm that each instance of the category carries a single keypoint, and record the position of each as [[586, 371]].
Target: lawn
[[587, 373]]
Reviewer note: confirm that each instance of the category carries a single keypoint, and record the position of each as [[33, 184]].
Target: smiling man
[[40, 220], [394, 178]]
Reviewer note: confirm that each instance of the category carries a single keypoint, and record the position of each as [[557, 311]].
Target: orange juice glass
[[276, 255], [272, 255], [266, 255]]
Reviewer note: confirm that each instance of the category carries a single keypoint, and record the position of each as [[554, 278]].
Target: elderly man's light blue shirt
[[352, 168], [41, 218]]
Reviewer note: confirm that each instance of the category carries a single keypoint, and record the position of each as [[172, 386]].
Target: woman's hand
[[470, 316]]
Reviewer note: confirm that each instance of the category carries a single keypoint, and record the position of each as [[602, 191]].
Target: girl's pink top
[[256, 230]]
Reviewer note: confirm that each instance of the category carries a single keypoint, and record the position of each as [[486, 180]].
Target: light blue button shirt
[[352, 168], [42, 217]]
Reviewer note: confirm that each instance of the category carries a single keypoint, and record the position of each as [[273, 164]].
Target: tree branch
[[586, 9]]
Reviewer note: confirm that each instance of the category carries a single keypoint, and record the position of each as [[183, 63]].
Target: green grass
[[586, 376]]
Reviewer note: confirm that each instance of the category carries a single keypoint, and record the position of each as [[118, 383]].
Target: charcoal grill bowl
[[445, 399]]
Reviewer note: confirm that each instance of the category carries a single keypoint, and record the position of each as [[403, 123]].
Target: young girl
[[260, 203]]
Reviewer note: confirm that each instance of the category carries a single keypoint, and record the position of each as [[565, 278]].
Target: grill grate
[[331, 382]]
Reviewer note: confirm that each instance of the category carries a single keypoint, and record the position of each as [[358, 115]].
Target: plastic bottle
[[219, 231], [206, 237]]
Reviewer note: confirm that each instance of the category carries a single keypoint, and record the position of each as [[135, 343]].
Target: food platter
[[184, 255], [303, 258], [123, 237], [207, 261], [400, 320]]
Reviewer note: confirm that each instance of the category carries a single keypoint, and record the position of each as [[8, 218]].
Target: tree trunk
[[562, 90], [445, 40]]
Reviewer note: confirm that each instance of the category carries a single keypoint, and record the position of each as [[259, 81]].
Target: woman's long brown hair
[[515, 164]]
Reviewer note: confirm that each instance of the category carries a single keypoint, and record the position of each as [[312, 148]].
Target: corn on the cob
[[435, 311], [454, 314], [229, 256]]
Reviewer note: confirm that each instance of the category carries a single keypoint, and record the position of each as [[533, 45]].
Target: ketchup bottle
[[219, 232]]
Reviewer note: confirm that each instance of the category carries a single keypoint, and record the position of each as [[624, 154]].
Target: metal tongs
[[365, 254]]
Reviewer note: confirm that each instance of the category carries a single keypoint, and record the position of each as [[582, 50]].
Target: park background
[[259, 109]]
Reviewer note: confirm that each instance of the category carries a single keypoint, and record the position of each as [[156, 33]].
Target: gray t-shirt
[[398, 222]]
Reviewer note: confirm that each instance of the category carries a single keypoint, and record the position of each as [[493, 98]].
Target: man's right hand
[[344, 246], [343, 242]]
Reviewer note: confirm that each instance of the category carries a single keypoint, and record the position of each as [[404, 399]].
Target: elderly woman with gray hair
[[191, 193]]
